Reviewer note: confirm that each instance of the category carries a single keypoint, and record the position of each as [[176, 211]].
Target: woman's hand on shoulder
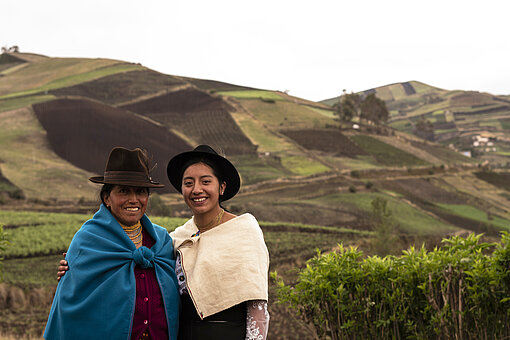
[[62, 268]]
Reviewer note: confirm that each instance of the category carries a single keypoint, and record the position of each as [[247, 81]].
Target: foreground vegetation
[[458, 291]]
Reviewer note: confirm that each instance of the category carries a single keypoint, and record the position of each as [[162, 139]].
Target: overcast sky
[[313, 49]]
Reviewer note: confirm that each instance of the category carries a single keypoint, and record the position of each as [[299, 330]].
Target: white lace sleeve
[[257, 320]]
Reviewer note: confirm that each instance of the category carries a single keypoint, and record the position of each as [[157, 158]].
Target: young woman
[[222, 259], [121, 283]]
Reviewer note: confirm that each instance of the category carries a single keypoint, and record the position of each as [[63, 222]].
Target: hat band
[[126, 176]]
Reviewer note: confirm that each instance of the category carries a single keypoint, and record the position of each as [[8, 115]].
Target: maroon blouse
[[149, 319]]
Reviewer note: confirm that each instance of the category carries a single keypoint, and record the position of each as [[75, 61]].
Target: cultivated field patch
[[56, 73], [122, 87], [421, 190], [215, 86], [386, 154], [285, 115], [327, 140], [180, 101], [16, 103], [446, 155], [258, 133], [303, 166], [252, 94], [203, 118], [498, 179]]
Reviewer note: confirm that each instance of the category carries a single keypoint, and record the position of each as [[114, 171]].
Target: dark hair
[[210, 163], [107, 188]]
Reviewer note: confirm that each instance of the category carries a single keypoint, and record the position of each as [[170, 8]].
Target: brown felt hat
[[228, 172], [127, 167]]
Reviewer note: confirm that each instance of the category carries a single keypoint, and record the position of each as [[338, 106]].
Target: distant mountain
[[473, 122]]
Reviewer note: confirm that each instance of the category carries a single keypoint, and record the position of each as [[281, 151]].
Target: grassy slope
[[32, 166], [37, 74], [27, 83], [409, 219]]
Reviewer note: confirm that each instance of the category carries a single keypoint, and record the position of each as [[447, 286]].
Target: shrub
[[352, 189], [267, 100], [385, 227], [17, 194], [458, 291], [355, 173], [369, 185]]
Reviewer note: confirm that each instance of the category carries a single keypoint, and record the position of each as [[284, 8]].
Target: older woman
[[121, 283], [222, 259]]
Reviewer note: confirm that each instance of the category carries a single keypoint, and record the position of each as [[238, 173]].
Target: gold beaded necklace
[[213, 223], [135, 233]]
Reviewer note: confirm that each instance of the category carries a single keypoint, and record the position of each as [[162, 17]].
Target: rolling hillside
[[61, 116], [310, 180], [80, 108]]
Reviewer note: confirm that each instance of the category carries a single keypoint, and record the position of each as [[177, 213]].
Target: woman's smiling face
[[127, 204], [201, 188]]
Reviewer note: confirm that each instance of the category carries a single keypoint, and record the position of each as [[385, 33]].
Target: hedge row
[[458, 291]]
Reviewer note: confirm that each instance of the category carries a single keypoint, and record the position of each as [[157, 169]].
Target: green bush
[[355, 173], [458, 291]]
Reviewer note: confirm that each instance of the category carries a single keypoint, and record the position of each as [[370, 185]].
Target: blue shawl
[[96, 297]]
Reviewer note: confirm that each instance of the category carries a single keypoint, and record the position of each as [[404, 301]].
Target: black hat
[[127, 167], [228, 171]]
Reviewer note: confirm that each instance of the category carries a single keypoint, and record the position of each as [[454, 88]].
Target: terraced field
[[330, 140], [386, 154], [122, 87], [203, 118]]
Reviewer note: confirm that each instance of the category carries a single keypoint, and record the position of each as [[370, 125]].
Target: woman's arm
[[257, 320]]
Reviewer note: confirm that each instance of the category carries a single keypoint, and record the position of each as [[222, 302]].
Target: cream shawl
[[224, 266]]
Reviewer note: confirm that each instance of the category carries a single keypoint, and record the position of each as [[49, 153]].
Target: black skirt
[[228, 324]]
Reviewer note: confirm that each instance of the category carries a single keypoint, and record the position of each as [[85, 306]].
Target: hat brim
[[101, 180], [228, 171]]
